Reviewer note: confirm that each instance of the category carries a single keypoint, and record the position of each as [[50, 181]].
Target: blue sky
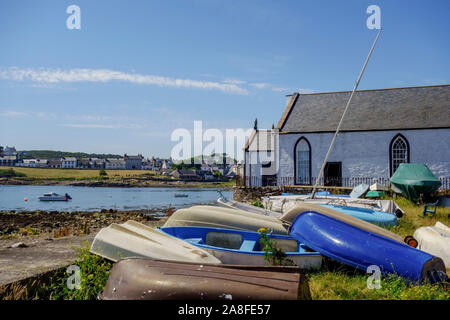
[[139, 69]]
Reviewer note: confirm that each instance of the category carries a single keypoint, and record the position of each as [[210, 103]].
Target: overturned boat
[[245, 247], [289, 217], [285, 203], [134, 239], [360, 248], [380, 218], [219, 217], [247, 207], [148, 279], [435, 240]]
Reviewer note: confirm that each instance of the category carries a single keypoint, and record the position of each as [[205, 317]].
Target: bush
[[9, 173], [102, 173]]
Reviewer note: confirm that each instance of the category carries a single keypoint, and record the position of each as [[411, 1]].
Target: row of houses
[[10, 157], [225, 173]]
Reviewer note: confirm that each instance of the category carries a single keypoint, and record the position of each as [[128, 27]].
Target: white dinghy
[[134, 239]]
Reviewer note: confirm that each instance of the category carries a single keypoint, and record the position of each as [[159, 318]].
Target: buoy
[[26, 199]]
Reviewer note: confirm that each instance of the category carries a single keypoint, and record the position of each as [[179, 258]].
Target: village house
[[133, 162], [114, 163], [8, 160], [187, 175], [68, 162], [8, 156], [54, 163], [382, 129]]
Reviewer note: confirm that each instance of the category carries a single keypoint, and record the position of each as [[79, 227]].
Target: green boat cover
[[374, 194], [414, 179]]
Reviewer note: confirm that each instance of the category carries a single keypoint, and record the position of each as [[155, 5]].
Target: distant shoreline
[[117, 183]]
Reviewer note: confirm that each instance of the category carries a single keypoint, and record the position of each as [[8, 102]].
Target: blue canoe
[[381, 218], [361, 248], [243, 247]]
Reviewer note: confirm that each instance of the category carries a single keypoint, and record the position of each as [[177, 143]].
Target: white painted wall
[[366, 154]]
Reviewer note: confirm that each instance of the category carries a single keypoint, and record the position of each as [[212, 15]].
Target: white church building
[[382, 128]]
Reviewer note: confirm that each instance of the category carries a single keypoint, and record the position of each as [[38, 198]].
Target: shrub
[[9, 173]]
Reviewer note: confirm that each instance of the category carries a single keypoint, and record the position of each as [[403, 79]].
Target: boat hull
[[435, 240], [53, 199], [147, 279], [247, 207], [380, 218], [218, 217], [133, 239], [360, 248], [292, 214]]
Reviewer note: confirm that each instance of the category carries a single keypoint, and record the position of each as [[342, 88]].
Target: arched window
[[398, 152], [302, 159]]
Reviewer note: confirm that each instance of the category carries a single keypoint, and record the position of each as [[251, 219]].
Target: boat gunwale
[[276, 236]]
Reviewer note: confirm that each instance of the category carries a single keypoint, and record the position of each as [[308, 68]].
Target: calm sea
[[97, 198]]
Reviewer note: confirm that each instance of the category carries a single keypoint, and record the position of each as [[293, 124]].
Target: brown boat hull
[[148, 279]]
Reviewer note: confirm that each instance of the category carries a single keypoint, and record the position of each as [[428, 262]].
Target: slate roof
[[380, 109]]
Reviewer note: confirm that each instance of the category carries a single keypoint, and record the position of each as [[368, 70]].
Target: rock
[[18, 245]]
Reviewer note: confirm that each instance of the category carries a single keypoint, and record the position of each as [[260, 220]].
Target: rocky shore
[[14, 225]]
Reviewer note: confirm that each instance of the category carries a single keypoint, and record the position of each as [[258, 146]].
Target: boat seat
[[194, 240], [247, 245], [432, 211]]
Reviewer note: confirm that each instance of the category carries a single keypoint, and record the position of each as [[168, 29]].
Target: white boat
[[219, 217], [284, 203], [247, 207], [134, 239], [435, 240], [52, 196]]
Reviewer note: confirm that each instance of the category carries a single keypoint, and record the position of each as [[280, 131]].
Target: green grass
[[80, 174], [329, 285]]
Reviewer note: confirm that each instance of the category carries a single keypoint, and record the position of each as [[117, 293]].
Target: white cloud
[[280, 89], [13, 113], [101, 126], [42, 75], [261, 85]]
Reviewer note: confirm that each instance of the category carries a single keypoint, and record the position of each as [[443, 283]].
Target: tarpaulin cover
[[415, 179]]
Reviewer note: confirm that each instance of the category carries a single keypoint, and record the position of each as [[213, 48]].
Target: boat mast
[[342, 117]]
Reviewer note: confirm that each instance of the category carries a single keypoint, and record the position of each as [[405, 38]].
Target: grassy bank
[[100, 178], [58, 174]]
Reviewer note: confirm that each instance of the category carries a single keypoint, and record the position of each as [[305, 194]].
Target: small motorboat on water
[[52, 196], [181, 195]]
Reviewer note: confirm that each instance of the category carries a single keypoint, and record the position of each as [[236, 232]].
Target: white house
[[68, 162], [382, 128]]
